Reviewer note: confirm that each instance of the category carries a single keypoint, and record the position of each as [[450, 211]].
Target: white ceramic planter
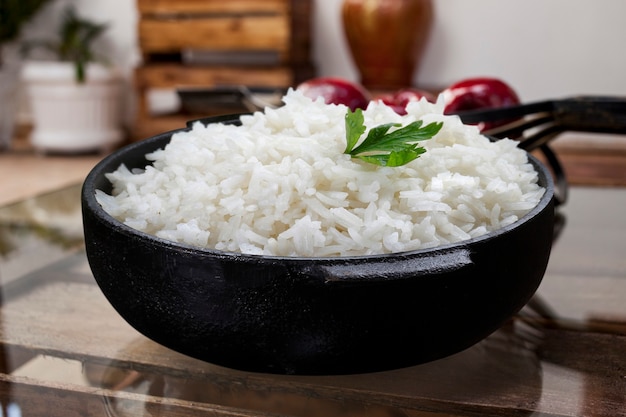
[[73, 117]]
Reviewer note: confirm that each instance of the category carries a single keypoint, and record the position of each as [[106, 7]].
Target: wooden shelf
[[152, 126], [176, 75], [594, 167], [170, 29]]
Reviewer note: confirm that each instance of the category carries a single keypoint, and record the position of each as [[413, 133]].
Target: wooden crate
[[217, 33], [163, 76], [169, 29], [215, 25], [198, 7]]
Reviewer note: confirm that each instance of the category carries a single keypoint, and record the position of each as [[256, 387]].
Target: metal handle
[[394, 269], [537, 124], [602, 114]]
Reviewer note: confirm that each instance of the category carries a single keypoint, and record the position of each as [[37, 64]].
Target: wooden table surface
[[25, 173], [66, 352]]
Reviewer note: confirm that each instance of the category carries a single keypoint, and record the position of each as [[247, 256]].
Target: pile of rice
[[281, 185]]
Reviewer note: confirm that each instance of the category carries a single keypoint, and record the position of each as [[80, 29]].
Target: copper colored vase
[[387, 39]]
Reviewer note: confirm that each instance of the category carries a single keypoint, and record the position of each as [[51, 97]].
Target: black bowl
[[313, 315]]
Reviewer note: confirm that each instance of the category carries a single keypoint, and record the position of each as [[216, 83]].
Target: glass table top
[[65, 351]]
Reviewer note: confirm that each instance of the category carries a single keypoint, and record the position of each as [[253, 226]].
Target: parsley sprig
[[385, 148]]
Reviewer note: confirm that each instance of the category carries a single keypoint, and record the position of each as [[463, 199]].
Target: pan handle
[[394, 269]]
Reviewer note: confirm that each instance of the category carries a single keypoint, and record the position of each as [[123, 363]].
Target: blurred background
[[163, 54], [543, 49]]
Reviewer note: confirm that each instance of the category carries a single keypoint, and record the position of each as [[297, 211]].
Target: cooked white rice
[[281, 185]]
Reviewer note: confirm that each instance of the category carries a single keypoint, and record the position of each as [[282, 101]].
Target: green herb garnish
[[386, 149]]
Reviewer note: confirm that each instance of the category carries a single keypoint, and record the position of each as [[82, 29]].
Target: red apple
[[336, 91], [398, 100], [479, 93]]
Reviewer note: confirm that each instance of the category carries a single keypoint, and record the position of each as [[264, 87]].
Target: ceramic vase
[[387, 39]]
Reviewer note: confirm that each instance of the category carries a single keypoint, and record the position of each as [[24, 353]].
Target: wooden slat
[[169, 28], [147, 126], [39, 398], [569, 364], [223, 33], [592, 166], [511, 372], [174, 76], [301, 44], [169, 7]]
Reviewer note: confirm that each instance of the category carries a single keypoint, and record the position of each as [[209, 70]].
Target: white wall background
[[543, 48]]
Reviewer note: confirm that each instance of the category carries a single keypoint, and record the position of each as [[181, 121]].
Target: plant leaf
[[355, 127], [385, 148]]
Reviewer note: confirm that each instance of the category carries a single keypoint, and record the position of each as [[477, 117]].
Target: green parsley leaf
[[355, 127], [386, 149]]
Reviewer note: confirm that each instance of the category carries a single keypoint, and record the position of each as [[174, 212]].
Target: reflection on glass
[[556, 357], [10, 410], [38, 231]]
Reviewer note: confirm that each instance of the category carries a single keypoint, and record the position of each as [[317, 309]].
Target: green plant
[[13, 14], [75, 42]]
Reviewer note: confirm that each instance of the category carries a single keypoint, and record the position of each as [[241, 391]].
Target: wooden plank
[[146, 126], [568, 364], [301, 45], [39, 398], [171, 76], [169, 29], [592, 166], [220, 33], [169, 7], [511, 372]]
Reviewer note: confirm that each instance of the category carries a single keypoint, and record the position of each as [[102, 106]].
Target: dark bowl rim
[[88, 199]]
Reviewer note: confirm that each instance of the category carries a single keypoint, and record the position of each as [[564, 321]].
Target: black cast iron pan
[[313, 315]]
